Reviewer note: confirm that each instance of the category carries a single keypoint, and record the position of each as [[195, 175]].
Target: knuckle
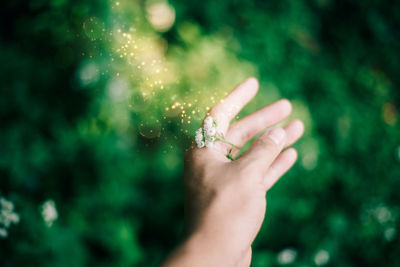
[[245, 135], [266, 143]]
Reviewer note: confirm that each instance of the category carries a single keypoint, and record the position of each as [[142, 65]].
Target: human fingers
[[279, 167], [245, 129], [226, 109], [294, 130], [263, 151], [246, 259]]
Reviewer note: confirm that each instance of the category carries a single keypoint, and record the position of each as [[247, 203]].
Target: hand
[[225, 200]]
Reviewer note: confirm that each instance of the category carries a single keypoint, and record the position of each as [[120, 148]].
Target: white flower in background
[[287, 256], [389, 234], [383, 214], [3, 233], [160, 14], [89, 73], [397, 153], [49, 212], [7, 216], [6, 205], [321, 257]]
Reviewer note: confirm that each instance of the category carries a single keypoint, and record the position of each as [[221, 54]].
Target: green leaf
[[229, 155]]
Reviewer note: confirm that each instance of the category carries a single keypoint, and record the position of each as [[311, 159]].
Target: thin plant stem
[[229, 143]]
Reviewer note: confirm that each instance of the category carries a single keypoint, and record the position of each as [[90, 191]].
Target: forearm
[[196, 251]]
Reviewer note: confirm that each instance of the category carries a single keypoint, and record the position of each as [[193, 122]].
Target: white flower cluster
[[7, 216], [206, 136], [49, 212]]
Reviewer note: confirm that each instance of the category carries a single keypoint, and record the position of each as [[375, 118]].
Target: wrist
[[197, 250], [212, 250]]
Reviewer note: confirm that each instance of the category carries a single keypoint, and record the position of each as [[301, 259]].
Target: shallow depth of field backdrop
[[99, 99]]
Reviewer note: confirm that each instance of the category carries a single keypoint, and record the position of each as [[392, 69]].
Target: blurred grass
[[99, 100]]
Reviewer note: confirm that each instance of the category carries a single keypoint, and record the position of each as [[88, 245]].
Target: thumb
[[264, 150]]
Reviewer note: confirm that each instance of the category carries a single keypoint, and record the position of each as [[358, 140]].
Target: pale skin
[[225, 200]]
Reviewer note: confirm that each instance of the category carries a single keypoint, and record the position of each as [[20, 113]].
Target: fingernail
[[252, 80], [277, 135]]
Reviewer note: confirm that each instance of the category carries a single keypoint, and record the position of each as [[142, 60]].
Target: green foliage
[[99, 100]]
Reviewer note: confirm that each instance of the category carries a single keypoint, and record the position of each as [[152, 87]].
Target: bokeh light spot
[[160, 14], [93, 28]]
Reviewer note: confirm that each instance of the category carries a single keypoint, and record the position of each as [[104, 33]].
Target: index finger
[[230, 106]]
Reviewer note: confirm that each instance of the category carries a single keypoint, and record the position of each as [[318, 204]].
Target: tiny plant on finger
[[208, 135]]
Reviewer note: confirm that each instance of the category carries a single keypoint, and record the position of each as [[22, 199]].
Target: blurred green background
[[99, 100]]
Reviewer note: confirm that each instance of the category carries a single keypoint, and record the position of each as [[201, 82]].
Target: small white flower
[[200, 144], [6, 205], [287, 256], [206, 136], [211, 132], [49, 212], [199, 137], [7, 216], [209, 143], [321, 257], [3, 233], [208, 122]]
